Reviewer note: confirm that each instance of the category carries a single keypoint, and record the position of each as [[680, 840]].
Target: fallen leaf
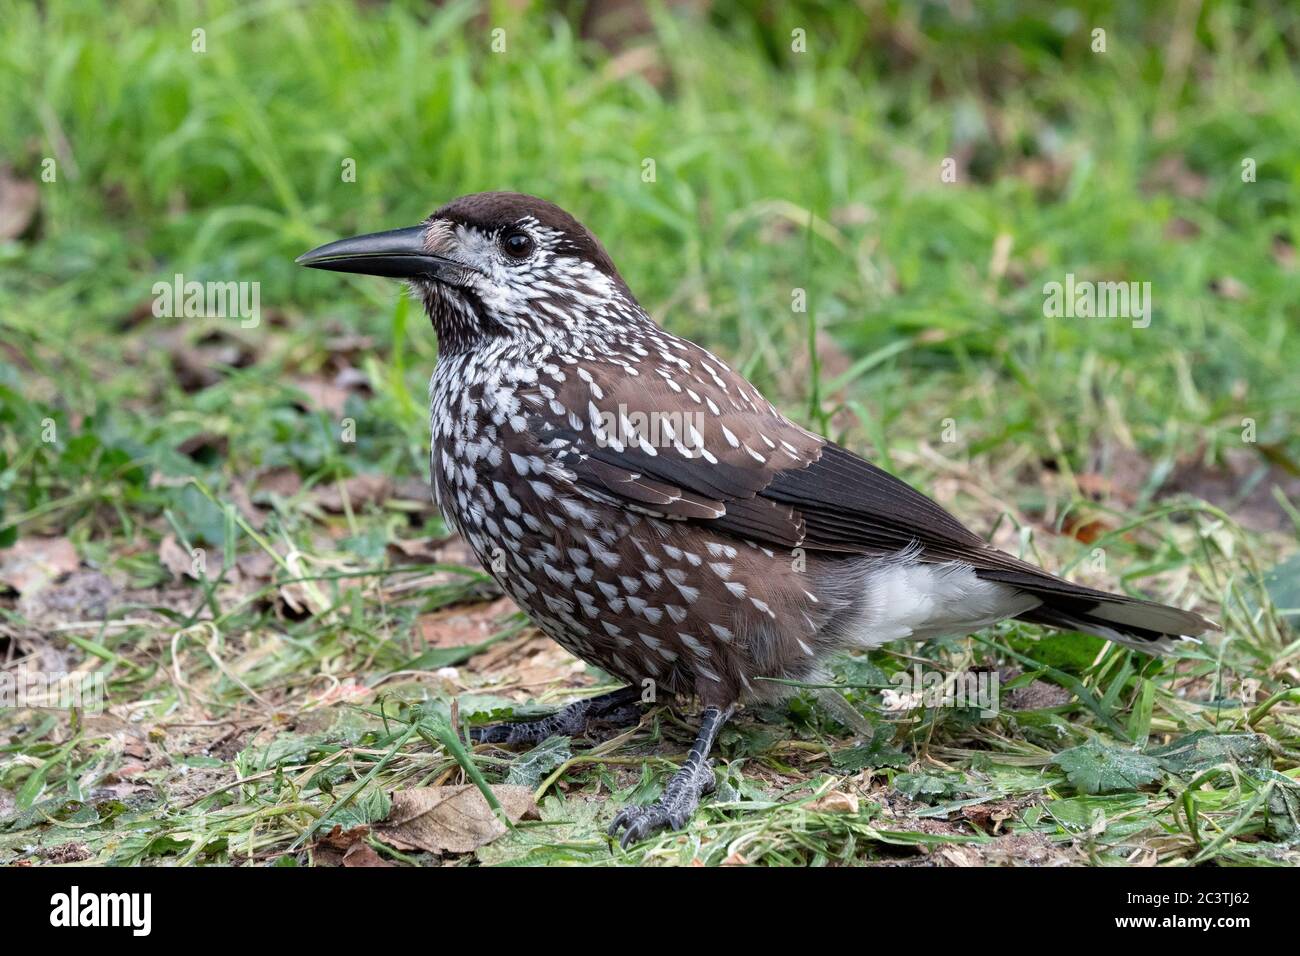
[[342, 847], [836, 802], [348, 347], [204, 444], [459, 626], [1180, 227], [641, 61], [83, 595], [1283, 252], [257, 566], [1172, 174], [341, 839], [354, 380], [1228, 287], [361, 490], [176, 559], [283, 481], [960, 856], [203, 364], [238, 493], [362, 854], [452, 819], [531, 768], [342, 692], [32, 563], [19, 199], [1234, 483], [322, 396], [416, 550], [138, 749], [991, 815], [1202, 749], [1086, 530]]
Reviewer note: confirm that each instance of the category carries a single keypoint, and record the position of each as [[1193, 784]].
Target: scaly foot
[[681, 797], [617, 709]]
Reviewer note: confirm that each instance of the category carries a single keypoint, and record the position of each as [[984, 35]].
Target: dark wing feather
[[767, 480], [846, 500]]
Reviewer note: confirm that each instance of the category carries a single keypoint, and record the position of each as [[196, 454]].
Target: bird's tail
[[1145, 625]]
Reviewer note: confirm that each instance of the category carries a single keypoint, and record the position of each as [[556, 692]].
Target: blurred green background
[[774, 170], [799, 150]]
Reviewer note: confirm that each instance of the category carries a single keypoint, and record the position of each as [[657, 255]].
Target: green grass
[[294, 686]]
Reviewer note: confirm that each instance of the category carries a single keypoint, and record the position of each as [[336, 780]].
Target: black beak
[[397, 254]]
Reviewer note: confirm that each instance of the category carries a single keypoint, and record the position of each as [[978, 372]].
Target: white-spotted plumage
[[665, 494], [652, 512]]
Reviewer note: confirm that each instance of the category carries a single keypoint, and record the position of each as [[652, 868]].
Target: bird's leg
[[682, 795], [618, 709]]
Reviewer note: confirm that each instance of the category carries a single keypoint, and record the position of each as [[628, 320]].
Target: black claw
[[673, 810], [641, 822]]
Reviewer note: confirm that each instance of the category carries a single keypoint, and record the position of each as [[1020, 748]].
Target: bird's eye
[[518, 245]]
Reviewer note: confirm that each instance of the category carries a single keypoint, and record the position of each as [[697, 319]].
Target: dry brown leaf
[[322, 396], [32, 563], [990, 816], [417, 490], [175, 558], [256, 566], [283, 481], [343, 692], [452, 819], [643, 61], [836, 802], [960, 856], [1087, 530], [348, 347], [362, 854], [341, 839], [466, 624], [204, 443], [361, 490], [83, 595], [1172, 174], [19, 199], [415, 550], [1283, 252], [1228, 287], [202, 364], [342, 847], [1233, 483], [238, 493]]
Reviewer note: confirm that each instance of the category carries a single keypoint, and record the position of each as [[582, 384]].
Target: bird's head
[[492, 265]]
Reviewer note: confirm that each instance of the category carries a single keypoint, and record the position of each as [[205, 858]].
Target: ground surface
[[230, 524]]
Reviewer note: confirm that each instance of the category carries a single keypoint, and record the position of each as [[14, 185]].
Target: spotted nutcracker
[[658, 517]]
